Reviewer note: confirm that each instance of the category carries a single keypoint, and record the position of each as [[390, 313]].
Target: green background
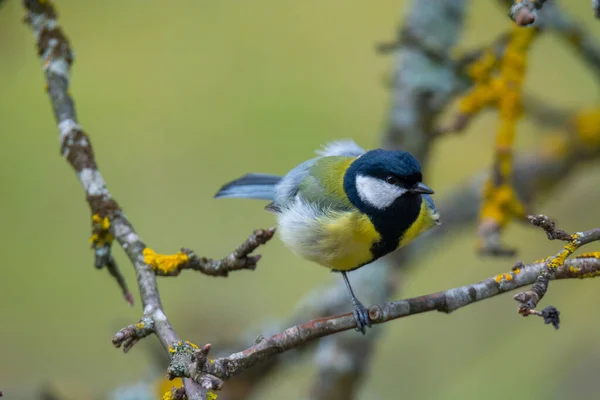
[[180, 97]]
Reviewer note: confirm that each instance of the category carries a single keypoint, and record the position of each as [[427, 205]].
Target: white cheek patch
[[377, 192]]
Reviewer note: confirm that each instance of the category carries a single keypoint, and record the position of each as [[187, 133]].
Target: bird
[[345, 208]]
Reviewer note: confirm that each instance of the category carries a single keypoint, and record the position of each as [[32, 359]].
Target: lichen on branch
[[240, 258], [498, 81], [529, 299]]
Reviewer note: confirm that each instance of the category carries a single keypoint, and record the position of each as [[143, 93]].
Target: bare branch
[[113, 270], [446, 302], [131, 334], [549, 227]]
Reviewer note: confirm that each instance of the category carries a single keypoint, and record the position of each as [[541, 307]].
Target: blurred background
[[181, 97]]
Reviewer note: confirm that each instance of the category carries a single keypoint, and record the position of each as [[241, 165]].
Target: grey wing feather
[[287, 188], [343, 147], [251, 186], [283, 190]]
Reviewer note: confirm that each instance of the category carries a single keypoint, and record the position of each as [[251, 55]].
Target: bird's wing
[[343, 147], [323, 186], [320, 180]]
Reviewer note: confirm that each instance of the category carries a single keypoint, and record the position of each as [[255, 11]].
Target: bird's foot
[[361, 315]]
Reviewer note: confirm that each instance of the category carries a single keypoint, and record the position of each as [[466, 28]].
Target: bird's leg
[[361, 314]]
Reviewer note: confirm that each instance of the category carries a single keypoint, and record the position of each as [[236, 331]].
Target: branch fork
[[240, 258], [529, 299]]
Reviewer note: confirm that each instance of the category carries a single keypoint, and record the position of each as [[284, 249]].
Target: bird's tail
[[251, 186]]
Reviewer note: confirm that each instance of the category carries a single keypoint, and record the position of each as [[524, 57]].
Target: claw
[[361, 315]]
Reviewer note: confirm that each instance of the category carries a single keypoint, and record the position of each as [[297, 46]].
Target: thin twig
[[240, 258], [529, 299]]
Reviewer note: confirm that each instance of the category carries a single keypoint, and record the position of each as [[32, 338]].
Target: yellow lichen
[[211, 395], [517, 271], [182, 347], [164, 263], [101, 235], [500, 203], [556, 145], [506, 277], [140, 325], [592, 254], [498, 83], [164, 387], [587, 126], [560, 258], [104, 223], [194, 346], [590, 275]]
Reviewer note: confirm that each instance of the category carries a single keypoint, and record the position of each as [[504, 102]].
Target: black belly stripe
[[392, 226]]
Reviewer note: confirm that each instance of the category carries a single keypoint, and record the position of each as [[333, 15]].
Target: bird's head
[[378, 179]]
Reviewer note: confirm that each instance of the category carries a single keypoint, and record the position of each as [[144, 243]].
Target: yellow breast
[[347, 241], [340, 240], [423, 222]]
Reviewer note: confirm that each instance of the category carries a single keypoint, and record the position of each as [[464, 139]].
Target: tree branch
[[240, 258], [446, 302], [108, 220], [528, 300]]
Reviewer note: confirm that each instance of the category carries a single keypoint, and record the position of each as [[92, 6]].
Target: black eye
[[392, 180]]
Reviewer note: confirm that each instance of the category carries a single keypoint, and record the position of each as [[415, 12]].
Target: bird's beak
[[421, 188]]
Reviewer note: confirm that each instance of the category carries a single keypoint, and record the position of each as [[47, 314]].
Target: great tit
[[345, 208]]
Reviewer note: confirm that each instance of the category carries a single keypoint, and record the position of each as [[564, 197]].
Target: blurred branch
[[426, 39], [557, 20], [108, 220], [446, 302], [497, 74], [524, 12], [423, 85], [497, 83]]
